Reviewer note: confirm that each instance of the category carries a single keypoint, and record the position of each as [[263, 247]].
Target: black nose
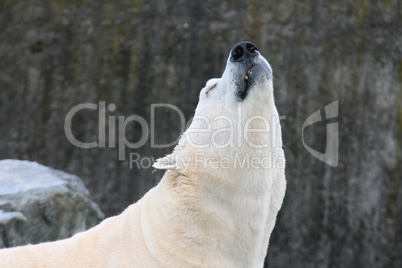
[[243, 51]]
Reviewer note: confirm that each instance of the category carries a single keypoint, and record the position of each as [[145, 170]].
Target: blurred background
[[55, 55]]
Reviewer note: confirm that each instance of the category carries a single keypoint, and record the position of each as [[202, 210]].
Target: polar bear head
[[243, 92], [235, 114], [242, 99], [246, 69]]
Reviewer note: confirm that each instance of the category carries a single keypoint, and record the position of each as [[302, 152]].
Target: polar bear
[[217, 202]]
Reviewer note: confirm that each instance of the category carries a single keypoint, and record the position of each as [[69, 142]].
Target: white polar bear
[[217, 203]]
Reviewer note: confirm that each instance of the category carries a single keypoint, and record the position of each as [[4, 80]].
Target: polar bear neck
[[223, 210]]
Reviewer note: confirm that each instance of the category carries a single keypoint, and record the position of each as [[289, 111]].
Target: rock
[[39, 204], [12, 226]]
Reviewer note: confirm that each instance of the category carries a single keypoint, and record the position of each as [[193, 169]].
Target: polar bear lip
[[248, 73], [245, 86], [255, 70]]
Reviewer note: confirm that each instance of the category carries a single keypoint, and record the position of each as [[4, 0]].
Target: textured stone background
[[57, 54]]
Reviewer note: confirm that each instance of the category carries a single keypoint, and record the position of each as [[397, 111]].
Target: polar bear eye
[[209, 89]]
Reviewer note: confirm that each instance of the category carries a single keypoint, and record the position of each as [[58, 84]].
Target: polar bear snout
[[247, 68], [243, 51]]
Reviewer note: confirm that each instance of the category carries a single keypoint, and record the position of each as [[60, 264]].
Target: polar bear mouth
[[245, 85], [248, 68], [247, 75]]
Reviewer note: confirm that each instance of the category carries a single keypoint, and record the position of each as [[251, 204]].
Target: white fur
[[198, 215]]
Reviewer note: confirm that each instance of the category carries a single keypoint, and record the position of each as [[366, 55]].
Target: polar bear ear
[[211, 84], [168, 162]]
